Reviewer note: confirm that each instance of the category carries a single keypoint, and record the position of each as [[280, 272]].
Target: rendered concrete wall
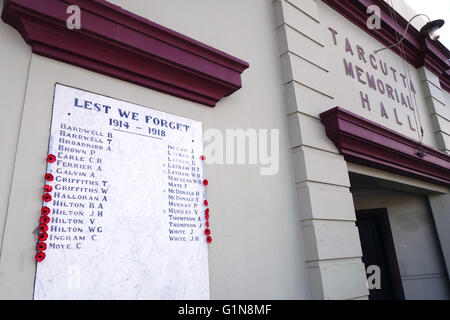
[[436, 99], [419, 256], [316, 44], [257, 250], [15, 57], [287, 236], [440, 207], [438, 109], [330, 237]]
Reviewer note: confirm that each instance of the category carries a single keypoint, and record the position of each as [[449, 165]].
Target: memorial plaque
[[127, 213]]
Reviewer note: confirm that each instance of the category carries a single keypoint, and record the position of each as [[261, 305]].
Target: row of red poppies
[[45, 211], [207, 230]]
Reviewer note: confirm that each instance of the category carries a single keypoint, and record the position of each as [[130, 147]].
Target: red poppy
[[43, 227], [51, 158], [39, 256], [202, 158], [205, 182], [205, 202], [208, 239], [43, 236], [48, 177], [44, 219], [45, 211], [207, 216], [207, 210], [207, 224], [207, 232], [41, 246], [48, 188], [47, 197]]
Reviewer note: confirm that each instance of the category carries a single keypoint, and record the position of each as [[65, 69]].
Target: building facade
[[362, 170]]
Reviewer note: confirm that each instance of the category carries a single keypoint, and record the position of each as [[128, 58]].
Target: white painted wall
[[257, 250], [346, 90], [274, 236], [315, 81], [15, 57], [331, 240]]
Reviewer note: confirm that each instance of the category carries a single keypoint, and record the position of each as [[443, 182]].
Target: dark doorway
[[378, 249]]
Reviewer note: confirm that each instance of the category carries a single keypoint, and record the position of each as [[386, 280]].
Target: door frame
[[381, 217]]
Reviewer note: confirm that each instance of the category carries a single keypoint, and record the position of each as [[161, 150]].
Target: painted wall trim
[[419, 51], [120, 44], [364, 142]]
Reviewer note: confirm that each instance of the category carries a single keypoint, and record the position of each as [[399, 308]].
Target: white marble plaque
[[127, 213]]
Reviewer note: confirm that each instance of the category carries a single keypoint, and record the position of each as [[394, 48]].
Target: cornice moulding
[[120, 44], [364, 142]]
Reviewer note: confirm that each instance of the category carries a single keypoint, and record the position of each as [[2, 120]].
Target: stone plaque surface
[[127, 214]]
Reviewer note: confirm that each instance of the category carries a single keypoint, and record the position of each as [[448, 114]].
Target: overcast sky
[[435, 9]]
